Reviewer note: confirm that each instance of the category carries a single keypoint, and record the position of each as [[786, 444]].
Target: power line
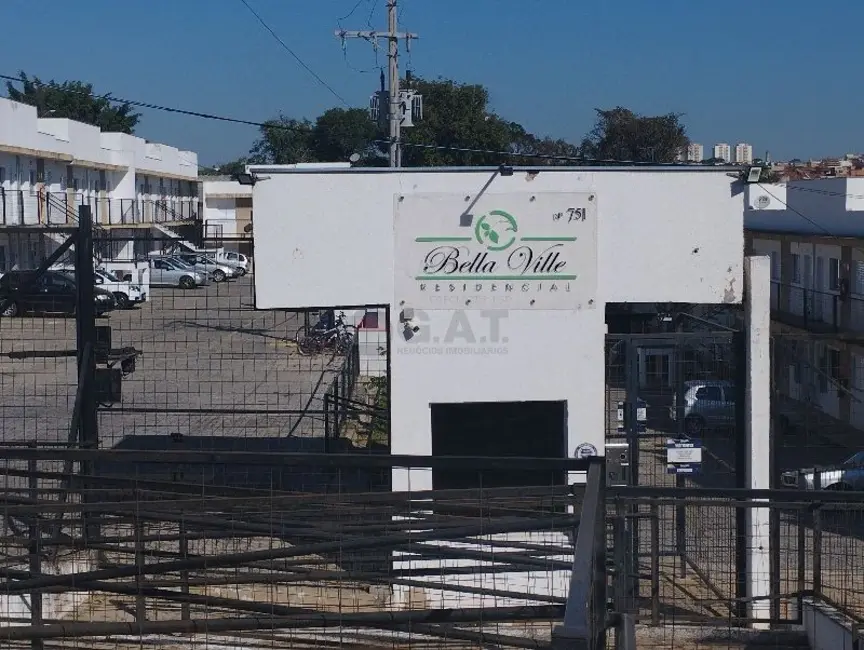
[[179, 111], [351, 13], [293, 53]]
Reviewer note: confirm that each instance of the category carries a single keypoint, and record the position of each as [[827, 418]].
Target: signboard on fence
[[683, 456]]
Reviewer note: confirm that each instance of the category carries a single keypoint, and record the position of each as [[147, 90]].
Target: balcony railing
[[42, 208], [815, 310]]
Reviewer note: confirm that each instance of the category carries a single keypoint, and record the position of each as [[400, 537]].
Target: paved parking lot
[[211, 366]]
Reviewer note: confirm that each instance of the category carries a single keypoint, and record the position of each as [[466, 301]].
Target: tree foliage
[[460, 128], [225, 169], [73, 100], [621, 134]]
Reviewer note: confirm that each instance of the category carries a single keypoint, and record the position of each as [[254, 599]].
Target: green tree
[[73, 100], [621, 134], [338, 133], [284, 141], [457, 116], [225, 169]]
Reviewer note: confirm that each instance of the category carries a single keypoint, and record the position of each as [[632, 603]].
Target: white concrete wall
[[662, 236], [832, 206]]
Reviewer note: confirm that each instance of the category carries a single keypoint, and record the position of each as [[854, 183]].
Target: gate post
[[85, 316], [752, 472]]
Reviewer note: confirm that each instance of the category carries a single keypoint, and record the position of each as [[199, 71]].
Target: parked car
[[708, 404], [179, 263], [54, 292], [167, 273], [848, 475], [218, 272], [237, 260], [126, 294]]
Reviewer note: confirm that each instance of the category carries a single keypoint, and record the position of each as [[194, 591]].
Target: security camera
[[409, 331]]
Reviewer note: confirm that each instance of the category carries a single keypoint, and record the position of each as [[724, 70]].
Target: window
[[829, 368], [834, 274], [775, 265], [834, 364], [796, 268], [2, 174], [710, 394], [3, 259]]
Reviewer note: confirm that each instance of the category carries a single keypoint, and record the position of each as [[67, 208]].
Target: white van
[[127, 294], [138, 273]]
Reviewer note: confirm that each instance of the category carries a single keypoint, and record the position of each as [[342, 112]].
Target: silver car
[[848, 475], [176, 261], [708, 404], [219, 272], [165, 273]]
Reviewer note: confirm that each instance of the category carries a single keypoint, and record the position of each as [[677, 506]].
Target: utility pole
[[393, 36]]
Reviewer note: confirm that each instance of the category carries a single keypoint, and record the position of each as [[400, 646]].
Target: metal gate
[[674, 419]]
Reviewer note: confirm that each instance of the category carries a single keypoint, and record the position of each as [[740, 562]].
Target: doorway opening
[[527, 429]]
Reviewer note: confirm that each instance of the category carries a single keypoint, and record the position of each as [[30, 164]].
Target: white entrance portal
[[497, 283]]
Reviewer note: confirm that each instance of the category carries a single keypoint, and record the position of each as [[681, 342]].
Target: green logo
[[496, 230]]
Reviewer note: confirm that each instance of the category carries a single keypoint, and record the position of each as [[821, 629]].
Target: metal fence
[[691, 591], [57, 208], [320, 552]]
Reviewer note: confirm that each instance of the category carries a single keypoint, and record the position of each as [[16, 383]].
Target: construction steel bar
[[295, 459], [235, 559], [317, 620]]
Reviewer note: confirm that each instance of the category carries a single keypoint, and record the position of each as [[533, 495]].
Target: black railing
[[809, 308], [58, 208]]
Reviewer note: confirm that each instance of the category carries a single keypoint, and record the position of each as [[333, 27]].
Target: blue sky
[[783, 76]]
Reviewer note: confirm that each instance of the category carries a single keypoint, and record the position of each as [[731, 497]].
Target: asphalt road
[[211, 365]]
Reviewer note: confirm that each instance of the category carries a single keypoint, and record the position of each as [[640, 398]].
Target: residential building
[[813, 230], [51, 166], [227, 212], [695, 152], [722, 152], [743, 153]]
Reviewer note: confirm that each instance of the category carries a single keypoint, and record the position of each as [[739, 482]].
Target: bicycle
[[314, 340]]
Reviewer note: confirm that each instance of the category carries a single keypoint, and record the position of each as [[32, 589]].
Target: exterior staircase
[[178, 238], [61, 213]]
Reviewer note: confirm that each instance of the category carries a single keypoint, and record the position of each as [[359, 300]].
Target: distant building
[[743, 153], [722, 151], [695, 152]]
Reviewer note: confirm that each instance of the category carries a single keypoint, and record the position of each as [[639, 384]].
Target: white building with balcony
[[743, 153], [814, 232], [722, 151], [695, 152], [51, 166], [227, 212]]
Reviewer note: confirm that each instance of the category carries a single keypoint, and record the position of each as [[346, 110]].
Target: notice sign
[[683, 456], [496, 251]]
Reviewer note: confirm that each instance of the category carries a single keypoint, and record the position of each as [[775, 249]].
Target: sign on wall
[[503, 251]]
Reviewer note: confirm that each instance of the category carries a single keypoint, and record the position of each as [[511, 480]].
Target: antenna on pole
[[396, 107]]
